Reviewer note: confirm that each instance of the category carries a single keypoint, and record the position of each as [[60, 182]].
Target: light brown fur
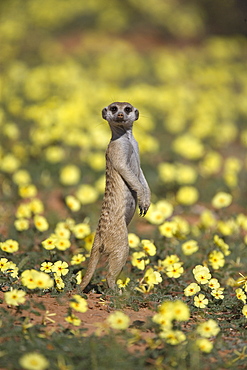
[[126, 187]]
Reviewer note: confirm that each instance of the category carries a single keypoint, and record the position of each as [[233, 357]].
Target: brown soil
[[57, 309]]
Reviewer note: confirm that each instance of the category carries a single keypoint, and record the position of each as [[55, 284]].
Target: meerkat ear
[[136, 114], [104, 111]]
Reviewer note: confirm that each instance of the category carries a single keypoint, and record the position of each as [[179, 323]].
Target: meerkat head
[[120, 113]]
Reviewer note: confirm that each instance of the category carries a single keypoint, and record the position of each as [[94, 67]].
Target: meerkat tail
[[93, 261]]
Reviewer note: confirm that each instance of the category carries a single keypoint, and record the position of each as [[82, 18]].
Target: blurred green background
[[181, 63]]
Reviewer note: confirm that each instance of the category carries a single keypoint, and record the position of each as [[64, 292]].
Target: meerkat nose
[[120, 115]]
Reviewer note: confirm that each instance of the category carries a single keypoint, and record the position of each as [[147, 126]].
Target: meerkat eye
[[128, 110], [113, 109]]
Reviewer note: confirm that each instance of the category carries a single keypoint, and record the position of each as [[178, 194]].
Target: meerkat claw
[[143, 212]]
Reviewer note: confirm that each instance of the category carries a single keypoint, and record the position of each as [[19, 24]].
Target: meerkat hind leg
[[93, 261], [116, 262]]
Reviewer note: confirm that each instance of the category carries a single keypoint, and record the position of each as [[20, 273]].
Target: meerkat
[[125, 187]]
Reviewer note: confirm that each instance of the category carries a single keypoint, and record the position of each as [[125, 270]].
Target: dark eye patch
[[113, 109], [128, 110]]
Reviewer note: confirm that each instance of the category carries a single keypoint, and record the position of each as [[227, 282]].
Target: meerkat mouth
[[120, 119]]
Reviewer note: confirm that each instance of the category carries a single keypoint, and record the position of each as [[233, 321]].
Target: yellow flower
[[183, 227], [148, 247], [14, 297], [175, 270], [207, 219], [170, 260], [192, 289], [213, 284], [33, 361], [81, 230], [43, 281], [122, 283], [89, 241], [173, 337], [11, 130], [155, 216], [33, 279], [21, 177], [134, 240], [167, 172], [165, 207], [21, 224], [218, 293], [9, 246], [36, 206], [96, 161], [187, 195], [223, 246], [87, 194], [163, 321], [54, 154], [74, 320], [204, 345], [240, 294], [77, 259], [185, 174], [152, 277], [158, 212], [221, 200], [73, 203], [181, 311], [40, 223], [62, 244], [227, 227], [166, 309], [233, 164], [139, 260], [12, 269], [28, 191], [23, 211], [4, 263], [200, 301], [49, 243], [188, 146], [9, 163], [79, 277], [28, 278], [62, 231], [59, 281], [208, 329], [202, 274], [244, 311], [168, 229], [70, 175], [118, 320], [189, 247], [60, 268], [46, 267], [216, 259], [242, 221], [79, 304], [211, 163]]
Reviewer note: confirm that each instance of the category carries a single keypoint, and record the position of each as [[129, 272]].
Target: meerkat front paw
[[143, 207]]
